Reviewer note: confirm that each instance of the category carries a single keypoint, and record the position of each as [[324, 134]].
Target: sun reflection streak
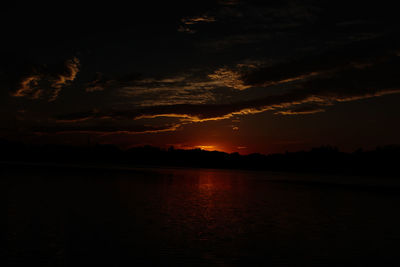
[[203, 204], [213, 189]]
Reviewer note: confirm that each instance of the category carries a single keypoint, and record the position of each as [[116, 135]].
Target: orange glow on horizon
[[212, 147], [207, 147], [221, 148]]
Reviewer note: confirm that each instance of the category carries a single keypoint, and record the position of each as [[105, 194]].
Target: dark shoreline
[[325, 160], [372, 184]]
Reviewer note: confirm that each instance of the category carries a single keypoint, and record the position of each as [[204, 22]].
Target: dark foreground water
[[78, 217]]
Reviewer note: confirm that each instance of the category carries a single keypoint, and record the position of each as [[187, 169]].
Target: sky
[[228, 75]]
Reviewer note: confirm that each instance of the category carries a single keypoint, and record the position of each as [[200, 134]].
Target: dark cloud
[[354, 55], [347, 85], [101, 81], [139, 90], [356, 83], [187, 23], [46, 81]]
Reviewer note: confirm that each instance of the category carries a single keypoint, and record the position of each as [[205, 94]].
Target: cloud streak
[[189, 22], [103, 130], [347, 85]]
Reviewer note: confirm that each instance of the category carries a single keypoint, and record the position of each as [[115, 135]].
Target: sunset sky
[[245, 76]]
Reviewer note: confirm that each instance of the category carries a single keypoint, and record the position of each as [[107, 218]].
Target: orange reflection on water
[[202, 205], [210, 182], [214, 203]]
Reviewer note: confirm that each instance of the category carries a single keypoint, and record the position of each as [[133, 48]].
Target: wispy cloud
[[300, 111], [71, 70], [168, 91], [189, 87], [304, 86], [348, 85], [62, 79], [28, 86], [194, 20], [188, 22], [44, 82], [229, 78], [103, 129]]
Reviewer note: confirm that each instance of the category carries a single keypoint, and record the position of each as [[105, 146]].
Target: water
[[194, 217]]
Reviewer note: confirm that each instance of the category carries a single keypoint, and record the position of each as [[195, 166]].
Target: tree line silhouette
[[326, 159]]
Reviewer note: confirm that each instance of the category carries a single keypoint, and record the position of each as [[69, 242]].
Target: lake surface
[[192, 217]]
